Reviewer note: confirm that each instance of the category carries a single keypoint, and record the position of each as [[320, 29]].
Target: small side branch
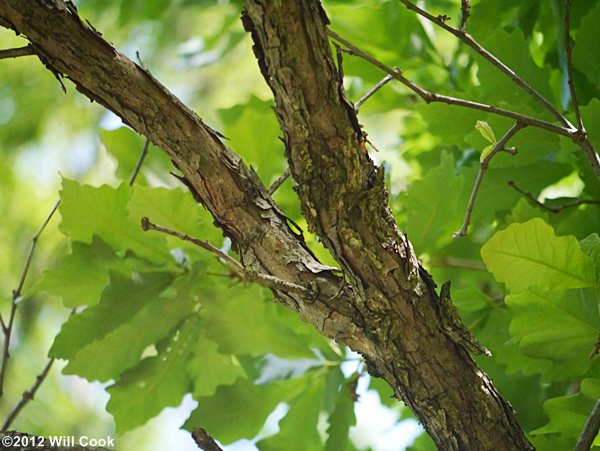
[[373, 90], [551, 208], [205, 441], [471, 42], [279, 181], [27, 396], [139, 163], [465, 8], [245, 274], [17, 52], [7, 326], [590, 430], [569, 48], [483, 167]]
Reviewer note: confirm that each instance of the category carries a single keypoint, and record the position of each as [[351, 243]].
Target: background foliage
[[158, 318]]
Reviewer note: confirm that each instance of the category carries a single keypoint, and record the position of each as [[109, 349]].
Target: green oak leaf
[[568, 414], [122, 299], [157, 382], [560, 326], [209, 369], [150, 324], [432, 206], [244, 322], [82, 275], [172, 208], [226, 413], [342, 417], [299, 426], [591, 246], [530, 254], [87, 211]]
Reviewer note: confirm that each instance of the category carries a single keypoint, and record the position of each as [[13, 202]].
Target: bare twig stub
[[205, 441], [17, 52], [465, 8]]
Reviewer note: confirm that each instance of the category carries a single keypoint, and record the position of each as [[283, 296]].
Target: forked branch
[[483, 167]]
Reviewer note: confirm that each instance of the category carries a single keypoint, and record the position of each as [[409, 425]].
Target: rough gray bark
[[390, 312]]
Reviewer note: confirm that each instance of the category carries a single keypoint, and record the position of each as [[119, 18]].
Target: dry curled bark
[[390, 311]]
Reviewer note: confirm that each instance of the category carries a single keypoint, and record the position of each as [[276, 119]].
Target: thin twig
[[569, 48], [471, 42], [465, 8], [16, 297], [590, 430], [373, 90], [279, 181], [17, 52], [483, 167], [27, 395], [138, 166], [456, 262], [552, 208], [431, 97], [236, 267], [205, 441]]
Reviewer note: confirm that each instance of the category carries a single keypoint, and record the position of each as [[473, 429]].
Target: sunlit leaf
[[486, 131], [558, 326], [530, 254]]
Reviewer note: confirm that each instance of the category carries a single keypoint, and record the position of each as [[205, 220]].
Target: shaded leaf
[[123, 298], [558, 326], [209, 369], [157, 382]]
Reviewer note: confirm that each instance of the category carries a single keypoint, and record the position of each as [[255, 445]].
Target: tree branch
[[391, 315], [551, 208], [590, 430], [17, 52], [205, 441], [430, 97], [16, 297], [483, 167], [344, 201], [468, 39]]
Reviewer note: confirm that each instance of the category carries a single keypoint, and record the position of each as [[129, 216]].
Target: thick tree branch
[[344, 201]]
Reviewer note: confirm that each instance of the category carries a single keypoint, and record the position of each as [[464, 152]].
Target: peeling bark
[[390, 313]]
